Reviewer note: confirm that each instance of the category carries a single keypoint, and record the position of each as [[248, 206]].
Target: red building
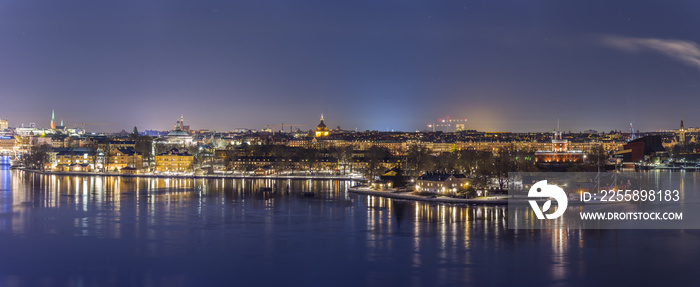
[[641, 149]]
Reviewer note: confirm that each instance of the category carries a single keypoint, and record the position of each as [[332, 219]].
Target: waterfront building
[[381, 184], [321, 129], [120, 158], [559, 157], [3, 124], [395, 176], [7, 144], [644, 149], [264, 170], [174, 161], [129, 170], [436, 182], [65, 159], [23, 144], [252, 163], [84, 167]]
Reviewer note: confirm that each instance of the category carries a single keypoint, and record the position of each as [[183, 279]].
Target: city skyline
[[440, 126], [372, 66]]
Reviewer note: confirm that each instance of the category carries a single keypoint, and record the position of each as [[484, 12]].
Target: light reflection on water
[[112, 231]]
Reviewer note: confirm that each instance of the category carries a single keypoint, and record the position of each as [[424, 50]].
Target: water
[[111, 231]]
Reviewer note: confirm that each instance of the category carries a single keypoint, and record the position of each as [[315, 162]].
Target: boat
[[307, 193]]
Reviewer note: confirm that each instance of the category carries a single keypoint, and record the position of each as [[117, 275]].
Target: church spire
[[681, 131], [53, 120]]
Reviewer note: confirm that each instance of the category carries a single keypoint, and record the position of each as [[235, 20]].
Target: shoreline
[[231, 176], [356, 190], [441, 199]]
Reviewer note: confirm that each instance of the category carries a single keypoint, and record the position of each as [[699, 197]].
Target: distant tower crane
[[282, 125]]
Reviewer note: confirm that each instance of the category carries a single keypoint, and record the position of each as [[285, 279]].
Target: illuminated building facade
[[321, 129], [177, 137], [441, 182], [174, 161], [122, 144], [120, 158], [560, 157], [180, 125], [73, 159], [7, 143], [648, 149]]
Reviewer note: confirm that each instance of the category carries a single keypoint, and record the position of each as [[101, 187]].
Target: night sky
[[379, 65]]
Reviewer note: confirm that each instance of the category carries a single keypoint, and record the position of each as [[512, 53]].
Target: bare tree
[[419, 160], [37, 157], [375, 156]]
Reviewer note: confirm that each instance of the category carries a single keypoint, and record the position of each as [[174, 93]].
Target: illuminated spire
[[321, 117], [53, 120]]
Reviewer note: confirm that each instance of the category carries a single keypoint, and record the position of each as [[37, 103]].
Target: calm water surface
[[110, 231]]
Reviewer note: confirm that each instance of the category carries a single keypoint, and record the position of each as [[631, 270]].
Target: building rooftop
[[178, 133], [437, 176]]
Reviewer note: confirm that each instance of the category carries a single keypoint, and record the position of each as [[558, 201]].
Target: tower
[[558, 143], [178, 124], [681, 131], [633, 136], [53, 121]]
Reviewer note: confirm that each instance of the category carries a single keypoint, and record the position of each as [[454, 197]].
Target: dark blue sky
[[504, 65]]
